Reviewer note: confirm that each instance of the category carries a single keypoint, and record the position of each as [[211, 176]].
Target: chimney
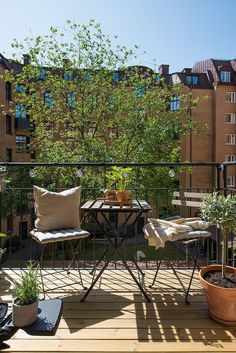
[[187, 70], [163, 69], [26, 59]]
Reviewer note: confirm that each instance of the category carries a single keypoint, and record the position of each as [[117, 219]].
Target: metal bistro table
[[98, 209]]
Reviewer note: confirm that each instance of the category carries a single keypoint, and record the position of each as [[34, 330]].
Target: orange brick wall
[[9, 140]]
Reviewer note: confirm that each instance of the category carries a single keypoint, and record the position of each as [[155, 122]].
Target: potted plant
[[2, 251], [117, 177], [219, 281], [25, 305]]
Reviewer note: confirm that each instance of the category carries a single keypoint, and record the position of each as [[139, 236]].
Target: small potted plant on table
[[219, 281], [25, 305], [117, 177]]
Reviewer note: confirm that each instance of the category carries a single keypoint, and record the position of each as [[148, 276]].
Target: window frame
[[231, 97], [192, 80], [174, 104], [232, 119], [232, 181], [225, 76], [22, 144], [230, 139], [228, 158], [8, 124], [8, 91], [8, 155], [48, 99]]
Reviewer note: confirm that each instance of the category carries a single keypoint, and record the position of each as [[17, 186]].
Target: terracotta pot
[[122, 195], [24, 315], [221, 301], [110, 195]]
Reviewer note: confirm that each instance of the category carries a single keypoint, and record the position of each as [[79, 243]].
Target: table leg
[[134, 278]]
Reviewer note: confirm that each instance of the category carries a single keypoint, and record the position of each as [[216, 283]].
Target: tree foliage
[[88, 105]]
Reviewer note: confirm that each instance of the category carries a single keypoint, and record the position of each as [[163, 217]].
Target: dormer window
[[192, 80], [225, 76]]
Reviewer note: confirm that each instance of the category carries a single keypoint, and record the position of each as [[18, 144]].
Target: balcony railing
[[17, 219]]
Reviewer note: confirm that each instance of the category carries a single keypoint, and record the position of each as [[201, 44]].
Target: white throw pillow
[[57, 210]]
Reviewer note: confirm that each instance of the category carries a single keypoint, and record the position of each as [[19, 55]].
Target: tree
[[88, 105]]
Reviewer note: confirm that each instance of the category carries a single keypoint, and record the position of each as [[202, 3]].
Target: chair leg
[[75, 251], [40, 264], [154, 279]]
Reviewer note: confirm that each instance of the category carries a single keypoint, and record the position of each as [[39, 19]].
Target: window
[[230, 158], [8, 124], [225, 76], [230, 139], [139, 91], [41, 74], [92, 100], [231, 97], [230, 180], [20, 88], [71, 100], [112, 102], [92, 128], [175, 104], [116, 77], [21, 143], [48, 99], [230, 118], [8, 155], [68, 75], [192, 80], [8, 91], [20, 111], [87, 76]]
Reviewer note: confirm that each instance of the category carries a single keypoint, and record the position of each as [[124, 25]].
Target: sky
[[174, 32]]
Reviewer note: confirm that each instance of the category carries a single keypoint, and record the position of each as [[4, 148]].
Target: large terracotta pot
[[24, 315], [221, 301]]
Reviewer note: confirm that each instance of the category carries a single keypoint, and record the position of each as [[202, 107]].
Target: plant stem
[[224, 253]]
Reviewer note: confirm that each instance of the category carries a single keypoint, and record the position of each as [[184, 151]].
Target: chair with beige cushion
[[58, 220]]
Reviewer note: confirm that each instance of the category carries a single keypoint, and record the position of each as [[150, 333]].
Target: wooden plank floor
[[116, 318]]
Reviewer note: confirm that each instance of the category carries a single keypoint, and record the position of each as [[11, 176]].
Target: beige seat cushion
[[57, 210]]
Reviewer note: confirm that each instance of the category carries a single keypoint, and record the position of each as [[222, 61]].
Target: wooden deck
[[116, 318]]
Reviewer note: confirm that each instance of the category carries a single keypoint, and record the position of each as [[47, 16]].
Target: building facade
[[212, 82]]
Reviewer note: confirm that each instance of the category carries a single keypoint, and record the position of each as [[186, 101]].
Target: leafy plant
[[2, 235], [118, 176], [27, 290], [220, 210], [124, 113]]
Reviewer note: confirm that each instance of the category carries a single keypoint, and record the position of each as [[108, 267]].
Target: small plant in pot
[[25, 305], [219, 281], [2, 251], [118, 177]]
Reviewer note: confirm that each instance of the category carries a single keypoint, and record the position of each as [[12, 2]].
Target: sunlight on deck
[[116, 318]]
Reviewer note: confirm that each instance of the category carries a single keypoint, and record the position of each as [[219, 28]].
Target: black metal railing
[[17, 219]]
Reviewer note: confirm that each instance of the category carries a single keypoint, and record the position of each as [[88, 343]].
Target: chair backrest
[[188, 199]]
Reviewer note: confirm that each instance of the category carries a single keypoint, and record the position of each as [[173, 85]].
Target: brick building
[[212, 81], [14, 128]]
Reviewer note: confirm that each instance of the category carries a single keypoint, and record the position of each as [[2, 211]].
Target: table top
[[100, 206]]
